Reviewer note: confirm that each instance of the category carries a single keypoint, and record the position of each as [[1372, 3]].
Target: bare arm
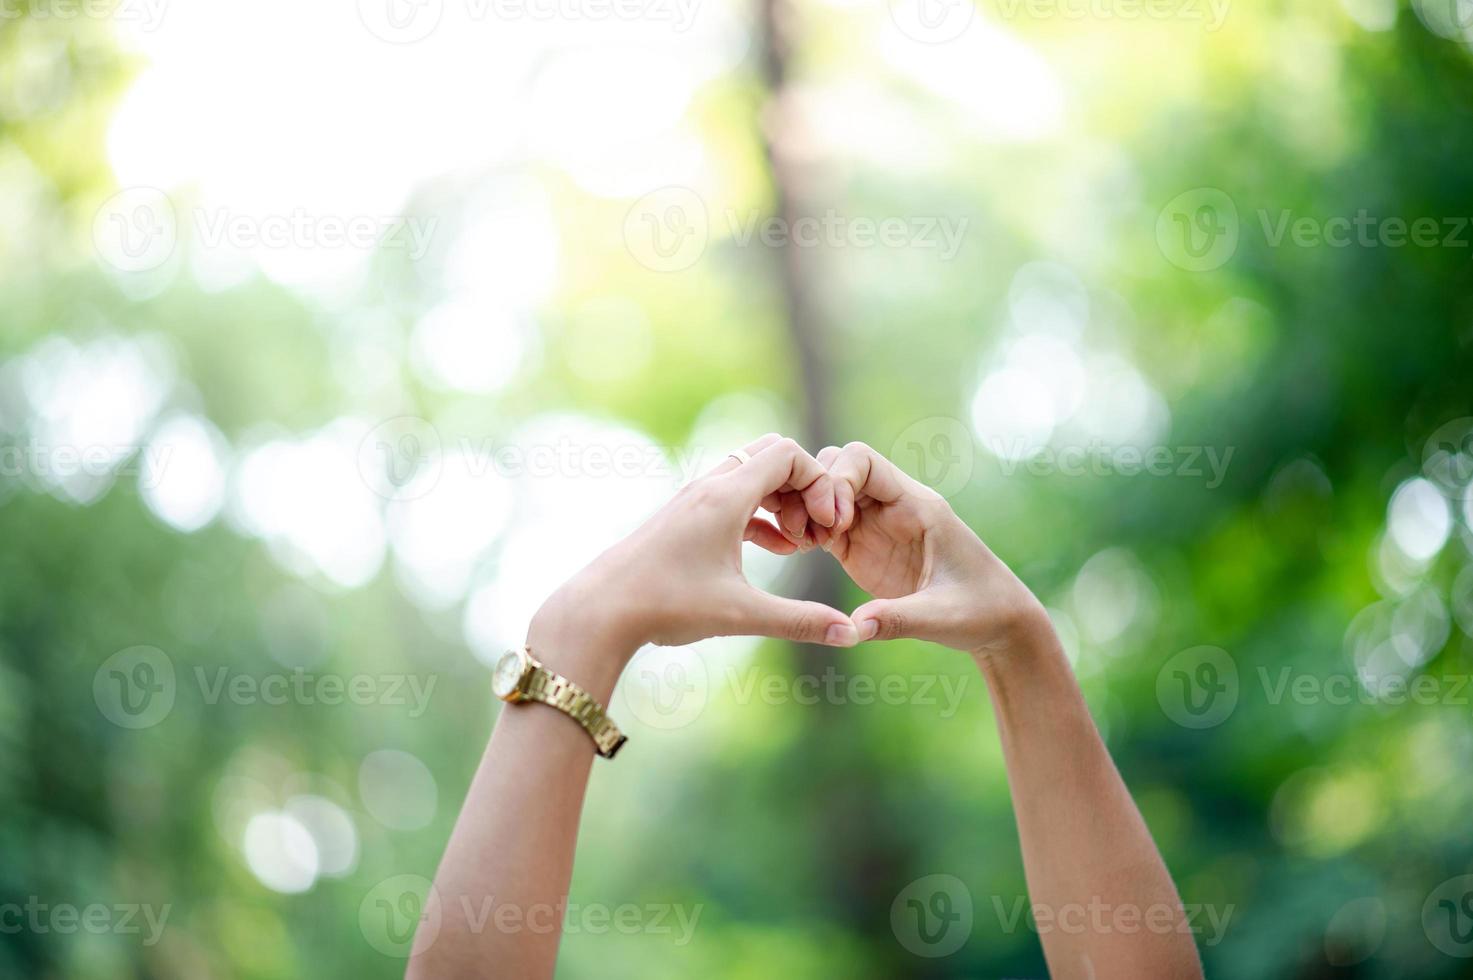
[[503, 881], [502, 886], [1093, 870]]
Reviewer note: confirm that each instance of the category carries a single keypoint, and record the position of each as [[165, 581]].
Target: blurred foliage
[[792, 827]]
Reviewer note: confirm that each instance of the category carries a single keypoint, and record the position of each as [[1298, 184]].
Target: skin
[[1084, 842]]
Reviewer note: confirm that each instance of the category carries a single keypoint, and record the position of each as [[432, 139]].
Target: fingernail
[[841, 635], [868, 629]]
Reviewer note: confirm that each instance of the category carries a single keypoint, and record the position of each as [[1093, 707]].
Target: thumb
[[764, 614], [913, 615]]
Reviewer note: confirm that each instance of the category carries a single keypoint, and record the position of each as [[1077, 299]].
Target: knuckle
[[933, 507], [892, 624], [857, 447], [786, 444], [802, 625]]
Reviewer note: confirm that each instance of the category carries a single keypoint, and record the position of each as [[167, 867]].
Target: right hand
[[932, 577]]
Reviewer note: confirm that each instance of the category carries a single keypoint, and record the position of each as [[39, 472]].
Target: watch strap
[[559, 692]]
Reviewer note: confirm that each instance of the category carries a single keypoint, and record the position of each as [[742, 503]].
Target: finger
[[764, 535], [858, 471], [790, 502], [885, 619], [843, 493], [794, 515], [823, 535], [785, 464], [751, 449], [922, 615], [764, 614]]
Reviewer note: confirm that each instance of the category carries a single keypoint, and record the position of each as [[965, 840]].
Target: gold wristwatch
[[519, 677]]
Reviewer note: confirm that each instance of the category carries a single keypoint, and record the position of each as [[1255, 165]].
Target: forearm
[[1093, 870], [503, 881]]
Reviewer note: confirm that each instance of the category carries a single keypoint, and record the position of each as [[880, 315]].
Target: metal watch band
[[578, 704]]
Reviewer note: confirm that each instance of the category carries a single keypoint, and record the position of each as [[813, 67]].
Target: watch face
[[506, 674]]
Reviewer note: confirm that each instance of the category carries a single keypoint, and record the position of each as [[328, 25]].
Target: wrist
[[1024, 635], [582, 633]]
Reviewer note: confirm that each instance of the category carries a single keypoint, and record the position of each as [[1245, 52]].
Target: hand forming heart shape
[[678, 578]]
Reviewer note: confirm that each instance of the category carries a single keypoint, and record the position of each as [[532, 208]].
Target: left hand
[[678, 578]]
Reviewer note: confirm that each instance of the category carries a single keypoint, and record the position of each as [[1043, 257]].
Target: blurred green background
[[332, 339]]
